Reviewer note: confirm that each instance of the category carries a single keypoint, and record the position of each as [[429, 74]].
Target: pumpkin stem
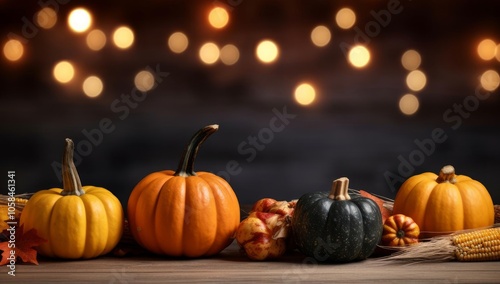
[[71, 181], [340, 189], [186, 165], [447, 174]]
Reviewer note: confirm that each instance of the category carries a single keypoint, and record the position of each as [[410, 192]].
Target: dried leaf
[[385, 212], [23, 246]]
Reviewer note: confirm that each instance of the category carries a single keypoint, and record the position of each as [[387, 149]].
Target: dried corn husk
[[388, 203], [19, 202]]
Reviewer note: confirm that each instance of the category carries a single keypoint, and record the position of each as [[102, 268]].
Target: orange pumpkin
[[400, 230], [444, 203], [184, 213]]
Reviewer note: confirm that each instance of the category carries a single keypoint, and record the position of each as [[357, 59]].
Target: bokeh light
[[487, 49], [267, 51], [92, 86], [416, 80], [321, 36], [209, 53], [409, 104], [79, 20], [178, 42], [46, 18], [64, 71], [144, 81], [218, 17], [490, 80], [229, 54], [411, 60], [359, 56], [13, 50], [96, 40], [123, 37], [305, 94], [498, 53], [345, 18]]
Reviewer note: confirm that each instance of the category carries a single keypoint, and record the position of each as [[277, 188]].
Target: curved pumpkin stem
[[186, 165], [340, 189], [447, 174], [71, 181]]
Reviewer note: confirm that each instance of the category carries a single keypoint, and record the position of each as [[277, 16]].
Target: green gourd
[[335, 227]]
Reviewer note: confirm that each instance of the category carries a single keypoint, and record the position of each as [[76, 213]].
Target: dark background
[[354, 128]]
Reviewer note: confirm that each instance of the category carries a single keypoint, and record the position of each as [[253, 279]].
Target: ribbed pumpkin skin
[[444, 207], [189, 216], [76, 227], [336, 230]]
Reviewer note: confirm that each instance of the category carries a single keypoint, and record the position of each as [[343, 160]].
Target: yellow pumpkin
[[444, 203], [78, 222]]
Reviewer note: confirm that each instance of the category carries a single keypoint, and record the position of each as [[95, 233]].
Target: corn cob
[[478, 245], [497, 213], [472, 245]]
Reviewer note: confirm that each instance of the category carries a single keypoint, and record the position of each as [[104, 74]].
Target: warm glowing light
[[64, 72], [209, 53], [490, 80], [305, 94], [13, 50], [416, 80], [123, 37], [267, 51], [218, 17], [359, 56], [92, 86], [96, 40], [411, 60], [79, 20], [229, 54], [408, 104], [144, 81], [498, 53], [487, 49], [178, 42], [345, 18], [321, 36], [46, 18]]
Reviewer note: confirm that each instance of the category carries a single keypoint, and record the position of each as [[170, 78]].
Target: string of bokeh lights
[[267, 51]]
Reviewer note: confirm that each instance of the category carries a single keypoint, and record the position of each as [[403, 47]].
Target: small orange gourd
[[184, 213], [400, 230], [444, 203]]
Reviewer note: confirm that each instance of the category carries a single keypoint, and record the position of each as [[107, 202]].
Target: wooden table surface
[[231, 265]]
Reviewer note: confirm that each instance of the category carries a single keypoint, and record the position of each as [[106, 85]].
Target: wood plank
[[233, 266]]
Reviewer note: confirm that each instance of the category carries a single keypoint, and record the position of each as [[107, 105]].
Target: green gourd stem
[[186, 164], [71, 181], [400, 233], [447, 174], [340, 189]]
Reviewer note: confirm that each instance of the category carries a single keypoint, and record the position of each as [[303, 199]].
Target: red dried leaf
[[23, 246], [385, 212]]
